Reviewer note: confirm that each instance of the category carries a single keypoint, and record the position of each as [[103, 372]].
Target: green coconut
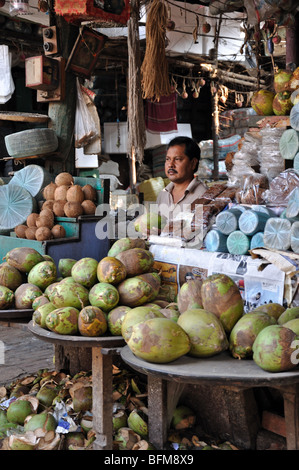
[[68, 279], [206, 332], [171, 311], [23, 258], [293, 325], [221, 296], [154, 280], [10, 277], [136, 261], [115, 318], [92, 321], [65, 266], [189, 296], [50, 288], [137, 315], [274, 349], [104, 295], [282, 103], [84, 272], [126, 438], [7, 298], [69, 294], [167, 293], [82, 399], [245, 332], [159, 340], [18, 410], [44, 421], [25, 294], [39, 301], [273, 309], [63, 320], [40, 314], [124, 244], [135, 291], [111, 270], [119, 420], [262, 102], [42, 274], [137, 421], [46, 395], [76, 439], [289, 314], [150, 223]]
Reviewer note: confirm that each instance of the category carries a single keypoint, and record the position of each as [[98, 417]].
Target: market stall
[[243, 232]]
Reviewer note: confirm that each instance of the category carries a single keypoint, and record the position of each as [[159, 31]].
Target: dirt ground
[[21, 353]]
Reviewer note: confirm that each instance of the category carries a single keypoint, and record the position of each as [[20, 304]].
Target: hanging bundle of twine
[[136, 123], [154, 70]]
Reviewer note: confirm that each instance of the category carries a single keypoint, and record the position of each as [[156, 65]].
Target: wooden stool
[[166, 383]]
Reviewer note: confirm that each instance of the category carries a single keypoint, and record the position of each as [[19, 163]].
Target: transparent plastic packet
[[281, 187], [252, 189]]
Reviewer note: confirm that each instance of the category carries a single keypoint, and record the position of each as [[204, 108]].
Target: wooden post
[[215, 108], [292, 55], [102, 403], [62, 113], [215, 132]]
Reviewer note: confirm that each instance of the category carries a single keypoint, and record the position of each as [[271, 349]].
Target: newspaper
[[259, 283]]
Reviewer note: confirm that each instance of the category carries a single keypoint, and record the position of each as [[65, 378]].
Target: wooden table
[[103, 349], [165, 380]]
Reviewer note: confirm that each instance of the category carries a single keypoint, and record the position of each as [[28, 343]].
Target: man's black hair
[[192, 149]]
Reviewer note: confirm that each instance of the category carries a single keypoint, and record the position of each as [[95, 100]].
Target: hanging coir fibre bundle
[[154, 69]]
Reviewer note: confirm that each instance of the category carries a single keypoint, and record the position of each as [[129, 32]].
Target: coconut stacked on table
[[63, 198]]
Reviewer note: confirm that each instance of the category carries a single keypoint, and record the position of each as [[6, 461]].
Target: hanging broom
[[154, 70]]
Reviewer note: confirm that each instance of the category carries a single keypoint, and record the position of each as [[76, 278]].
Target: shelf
[[23, 117]]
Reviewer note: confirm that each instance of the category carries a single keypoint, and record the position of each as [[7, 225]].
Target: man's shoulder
[[197, 185]]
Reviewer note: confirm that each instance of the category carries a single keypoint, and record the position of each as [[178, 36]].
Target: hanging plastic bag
[[86, 128], [7, 86]]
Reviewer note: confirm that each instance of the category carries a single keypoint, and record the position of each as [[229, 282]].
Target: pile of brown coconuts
[[62, 198]]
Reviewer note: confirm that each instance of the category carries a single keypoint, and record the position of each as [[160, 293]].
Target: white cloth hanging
[[7, 86]]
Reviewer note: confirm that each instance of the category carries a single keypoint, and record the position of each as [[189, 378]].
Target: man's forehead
[[178, 150]]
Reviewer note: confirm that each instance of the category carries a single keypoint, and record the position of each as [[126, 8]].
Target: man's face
[[178, 167]]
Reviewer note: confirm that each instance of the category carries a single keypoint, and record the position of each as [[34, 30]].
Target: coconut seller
[[180, 196]]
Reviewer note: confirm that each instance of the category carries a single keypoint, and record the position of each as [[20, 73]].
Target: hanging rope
[[136, 123], [154, 70]]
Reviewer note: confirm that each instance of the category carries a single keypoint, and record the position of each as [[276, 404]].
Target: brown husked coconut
[[60, 192], [30, 233], [89, 207], [20, 231], [58, 231], [75, 194], [90, 192], [43, 233], [45, 222], [48, 204], [48, 191], [58, 208], [47, 213], [64, 179], [73, 209], [31, 219]]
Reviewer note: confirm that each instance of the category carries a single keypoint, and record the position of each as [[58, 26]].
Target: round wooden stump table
[[103, 348], [166, 381]]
